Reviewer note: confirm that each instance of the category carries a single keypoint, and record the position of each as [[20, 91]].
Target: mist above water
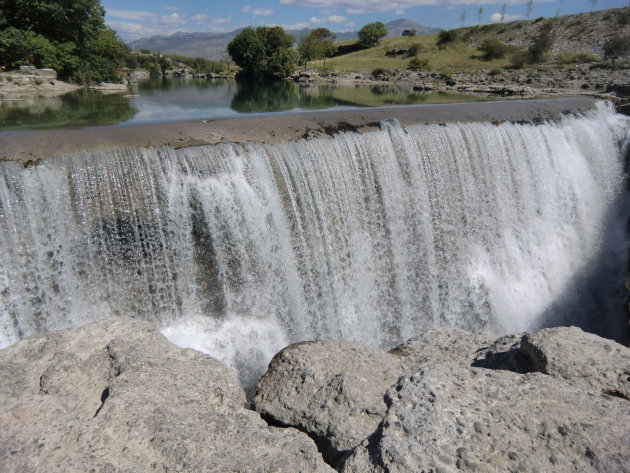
[[239, 250]]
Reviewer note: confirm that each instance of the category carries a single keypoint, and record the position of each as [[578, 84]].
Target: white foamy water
[[239, 250]]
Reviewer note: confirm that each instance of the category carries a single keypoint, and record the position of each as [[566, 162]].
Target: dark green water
[[160, 100]]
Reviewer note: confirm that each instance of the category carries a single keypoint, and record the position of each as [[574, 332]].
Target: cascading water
[[240, 250]]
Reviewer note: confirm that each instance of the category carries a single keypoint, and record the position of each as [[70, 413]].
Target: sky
[[134, 19]]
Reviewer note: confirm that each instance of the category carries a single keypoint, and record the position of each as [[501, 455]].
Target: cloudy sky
[[137, 18]]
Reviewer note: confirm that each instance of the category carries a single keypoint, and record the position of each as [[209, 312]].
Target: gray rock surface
[[331, 390], [447, 418], [335, 391], [573, 355], [116, 397]]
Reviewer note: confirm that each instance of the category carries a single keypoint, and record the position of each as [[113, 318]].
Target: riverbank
[[596, 80]]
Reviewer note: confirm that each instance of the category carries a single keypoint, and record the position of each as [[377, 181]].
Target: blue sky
[[138, 18]]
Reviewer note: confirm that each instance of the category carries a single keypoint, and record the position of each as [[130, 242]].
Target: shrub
[[494, 49], [519, 59], [616, 47], [446, 75], [414, 50], [580, 57], [446, 38], [379, 71], [495, 72], [542, 43], [417, 64]]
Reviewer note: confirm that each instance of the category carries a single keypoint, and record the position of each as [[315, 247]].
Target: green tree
[[616, 47], [69, 36], [318, 44], [263, 52], [371, 34], [75, 21]]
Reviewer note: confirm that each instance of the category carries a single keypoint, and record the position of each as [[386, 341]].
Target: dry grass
[[456, 57]]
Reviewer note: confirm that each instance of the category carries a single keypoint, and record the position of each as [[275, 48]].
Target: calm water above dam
[[160, 100]]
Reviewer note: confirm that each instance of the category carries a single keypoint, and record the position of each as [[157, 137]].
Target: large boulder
[[447, 418], [335, 391], [116, 397], [576, 356], [332, 390]]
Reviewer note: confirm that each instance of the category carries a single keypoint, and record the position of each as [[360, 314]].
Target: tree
[[462, 18], [371, 34], [593, 4], [75, 21], [616, 47], [479, 15], [264, 52], [503, 9], [318, 44], [69, 36]]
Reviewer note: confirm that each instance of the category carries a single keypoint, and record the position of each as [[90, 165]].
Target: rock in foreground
[[446, 418], [116, 397], [335, 390], [549, 401]]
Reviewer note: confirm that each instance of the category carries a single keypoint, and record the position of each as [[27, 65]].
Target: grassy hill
[[586, 32], [455, 57]]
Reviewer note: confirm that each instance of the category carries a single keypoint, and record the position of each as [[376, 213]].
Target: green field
[[457, 57]]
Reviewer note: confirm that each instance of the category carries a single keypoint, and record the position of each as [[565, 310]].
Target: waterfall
[[238, 250]]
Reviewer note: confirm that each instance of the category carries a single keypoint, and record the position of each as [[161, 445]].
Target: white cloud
[[219, 21], [174, 19], [171, 8], [246, 8], [356, 7], [336, 18], [262, 11], [328, 19], [496, 17], [294, 26], [129, 14], [199, 18]]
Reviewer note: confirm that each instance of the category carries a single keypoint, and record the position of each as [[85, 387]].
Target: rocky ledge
[[115, 396], [29, 82]]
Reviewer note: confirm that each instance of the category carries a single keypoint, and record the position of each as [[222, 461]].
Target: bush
[[417, 64], [542, 43], [446, 38], [580, 57], [519, 59], [616, 47], [379, 71], [414, 50], [446, 75], [494, 49]]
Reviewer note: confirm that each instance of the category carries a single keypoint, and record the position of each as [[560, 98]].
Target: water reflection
[[159, 100], [76, 109]]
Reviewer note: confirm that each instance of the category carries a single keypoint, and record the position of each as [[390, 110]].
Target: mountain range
[[213, 45]]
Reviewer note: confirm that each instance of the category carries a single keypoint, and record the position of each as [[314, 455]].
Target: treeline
[[157, 63], [68, 36], [267, 52]]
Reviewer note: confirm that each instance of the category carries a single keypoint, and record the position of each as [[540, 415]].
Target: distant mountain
[[213, 45], [396, 27]]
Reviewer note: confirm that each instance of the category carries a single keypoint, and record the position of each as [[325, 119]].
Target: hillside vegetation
[[584, 33]]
